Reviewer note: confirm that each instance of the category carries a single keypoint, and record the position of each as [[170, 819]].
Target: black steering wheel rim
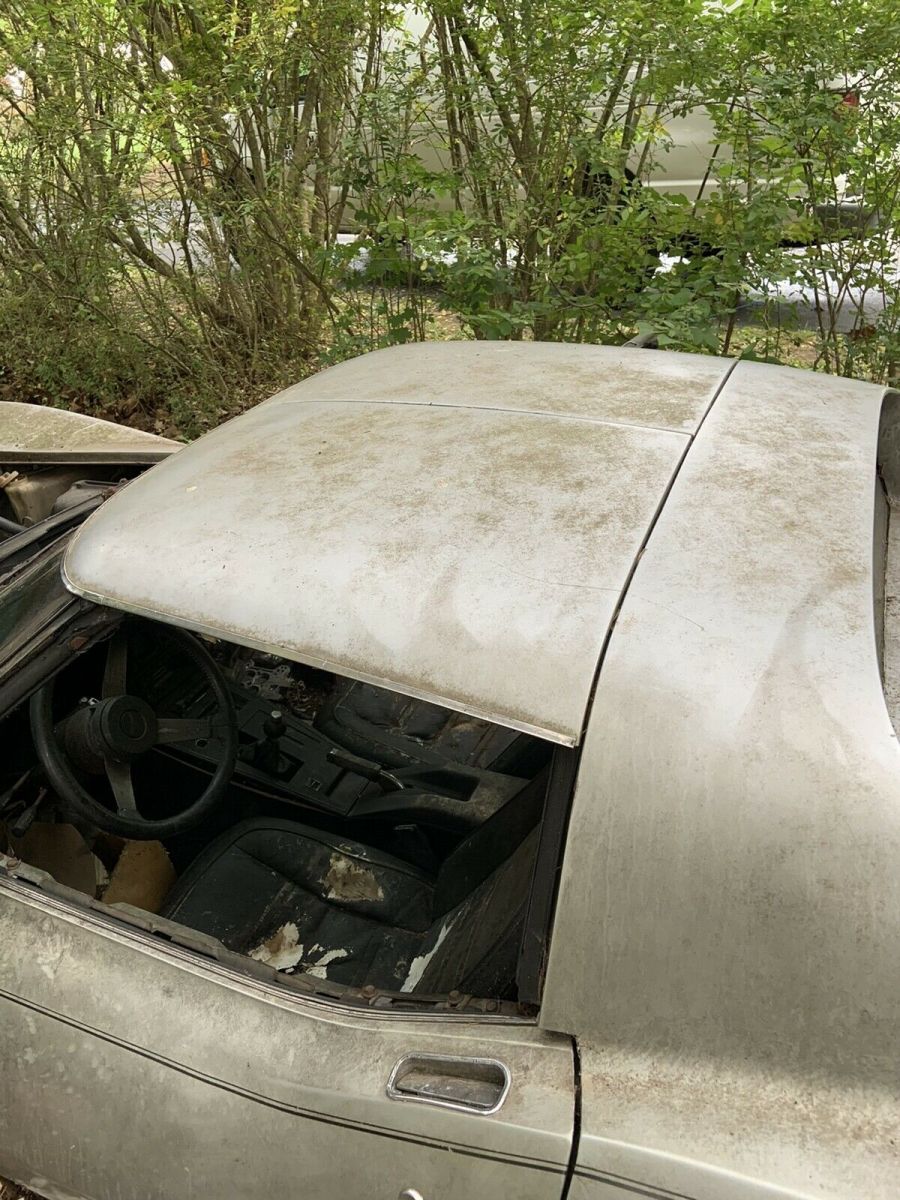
[[64, 781]]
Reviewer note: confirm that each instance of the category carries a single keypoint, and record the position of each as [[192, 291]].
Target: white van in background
[[672, 149]]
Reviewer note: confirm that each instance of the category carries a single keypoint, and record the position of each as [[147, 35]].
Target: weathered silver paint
[[140, 1071], [37, 434], [662, 389], [470, 551], [726, 946]]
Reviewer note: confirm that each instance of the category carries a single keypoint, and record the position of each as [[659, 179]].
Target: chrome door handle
[[410, 1194], [473, 1085]]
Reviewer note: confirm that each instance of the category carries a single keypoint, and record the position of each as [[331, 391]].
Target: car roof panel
[[660, 389], [472, 556]]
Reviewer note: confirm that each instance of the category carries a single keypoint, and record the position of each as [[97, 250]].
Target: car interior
[[328, 828]]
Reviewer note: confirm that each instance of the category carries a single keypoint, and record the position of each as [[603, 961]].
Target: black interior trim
[[547, 870]]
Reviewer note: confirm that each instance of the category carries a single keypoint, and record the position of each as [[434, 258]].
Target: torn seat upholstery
[[357, 916]]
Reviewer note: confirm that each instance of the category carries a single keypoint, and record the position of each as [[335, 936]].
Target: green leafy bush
[[174, 177]]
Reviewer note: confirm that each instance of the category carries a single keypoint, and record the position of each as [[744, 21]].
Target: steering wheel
[[109, 734]]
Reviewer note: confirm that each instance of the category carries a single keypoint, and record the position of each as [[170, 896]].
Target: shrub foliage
[[175, 175]]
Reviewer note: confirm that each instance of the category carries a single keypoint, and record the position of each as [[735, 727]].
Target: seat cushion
[[298, 898]]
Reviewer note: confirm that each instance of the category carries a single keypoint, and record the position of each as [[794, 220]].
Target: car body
[[648, 597]]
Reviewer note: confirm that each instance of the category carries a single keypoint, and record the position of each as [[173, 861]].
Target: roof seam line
[[528, 412], [610, 629]]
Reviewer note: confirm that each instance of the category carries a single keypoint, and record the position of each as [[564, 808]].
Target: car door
[[134, 1067]]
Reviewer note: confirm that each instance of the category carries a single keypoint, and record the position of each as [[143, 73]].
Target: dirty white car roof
[[456, 521], [34, 433]]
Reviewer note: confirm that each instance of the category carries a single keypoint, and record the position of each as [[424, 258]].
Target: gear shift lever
[[267, 753]]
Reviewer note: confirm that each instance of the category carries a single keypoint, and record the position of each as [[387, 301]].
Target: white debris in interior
[[421, 961], [318, 969], [281, 950], [348, 881]]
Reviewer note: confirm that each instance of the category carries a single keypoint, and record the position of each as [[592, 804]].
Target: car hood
[[36, 434], [455, 521]]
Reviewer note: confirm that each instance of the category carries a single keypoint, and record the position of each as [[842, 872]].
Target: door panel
[[132, 1069]]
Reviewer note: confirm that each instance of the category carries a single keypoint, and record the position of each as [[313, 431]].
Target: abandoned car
[[471, 772]]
